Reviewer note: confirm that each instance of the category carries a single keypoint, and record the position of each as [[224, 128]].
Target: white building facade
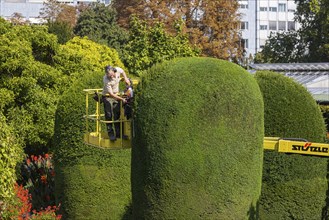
[[260, 18], [30, 9]]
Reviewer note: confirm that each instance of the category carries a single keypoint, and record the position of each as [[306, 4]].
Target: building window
[[273, 9], [291, 26], [291, 10], [244, 43], [262, 43], [244, 6], [282, 26], [263, 27], [244, 25], [272, 25], [282, 7], [263, 8]]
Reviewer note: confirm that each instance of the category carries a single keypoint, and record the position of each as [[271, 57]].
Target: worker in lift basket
[[112, 100]]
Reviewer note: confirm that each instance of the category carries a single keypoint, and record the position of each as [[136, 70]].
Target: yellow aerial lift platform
[[98, 137]]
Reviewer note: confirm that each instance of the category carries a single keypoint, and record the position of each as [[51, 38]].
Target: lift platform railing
[[97, 137]]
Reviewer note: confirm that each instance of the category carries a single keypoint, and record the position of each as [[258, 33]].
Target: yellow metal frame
[[98, 138], [296, 146]]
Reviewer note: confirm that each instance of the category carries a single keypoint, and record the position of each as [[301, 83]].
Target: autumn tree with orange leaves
[[212, 25]]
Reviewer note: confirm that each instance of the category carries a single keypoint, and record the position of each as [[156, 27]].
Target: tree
[[98, 23], [29, 85], [310, 43], [51, 10], [285, 47], [61, 18], [313, 17], [212, 25], [17, 19], [62, 30], [150, 45], [81, 55]]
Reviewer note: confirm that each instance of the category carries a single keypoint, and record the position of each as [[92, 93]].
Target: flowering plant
[[37, 175], [19, 207]]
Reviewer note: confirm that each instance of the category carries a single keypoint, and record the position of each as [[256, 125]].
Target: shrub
[[90, 183], [10, 155], [294, 186], [197, 152]]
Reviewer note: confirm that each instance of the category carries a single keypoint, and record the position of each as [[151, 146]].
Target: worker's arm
[[125, 77], [116, 97]]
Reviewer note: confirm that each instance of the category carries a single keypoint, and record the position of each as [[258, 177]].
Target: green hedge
[[91, 183], [198, 147], [294, 186]]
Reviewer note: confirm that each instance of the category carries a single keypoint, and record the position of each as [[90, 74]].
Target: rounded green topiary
[[294, 186], [91, 183], [198, 148]]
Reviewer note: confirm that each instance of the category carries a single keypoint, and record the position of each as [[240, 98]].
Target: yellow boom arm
[[296, 146]]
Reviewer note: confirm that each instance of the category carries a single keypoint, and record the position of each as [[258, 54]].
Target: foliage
[[62, 30], [35, 96], [150, 45], [98, 23], [34, 71], [313, 17], [20, 208], [198, 142], [325, 113], [81, 55], [29, 86], [4, 26], [211, 25], [51, 9], [38, 176], [291, 112], [285, 47], [61, 18], [10, 155], [91, 183], [310, 43]]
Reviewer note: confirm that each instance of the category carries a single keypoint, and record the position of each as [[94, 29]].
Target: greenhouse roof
[[314, 76]]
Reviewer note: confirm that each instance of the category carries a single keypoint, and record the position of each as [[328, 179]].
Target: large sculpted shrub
[[198, 147], [294, 186], [90, 183]]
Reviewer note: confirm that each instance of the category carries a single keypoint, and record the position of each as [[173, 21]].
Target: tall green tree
[[150, 45], [99, 23], [285, 47], [309, 44], [212, 25], [62, 30], [314, 19], [61, 18]]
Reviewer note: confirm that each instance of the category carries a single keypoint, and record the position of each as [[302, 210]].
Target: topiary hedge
[[90, 183], [198, 148], [294, 186]]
